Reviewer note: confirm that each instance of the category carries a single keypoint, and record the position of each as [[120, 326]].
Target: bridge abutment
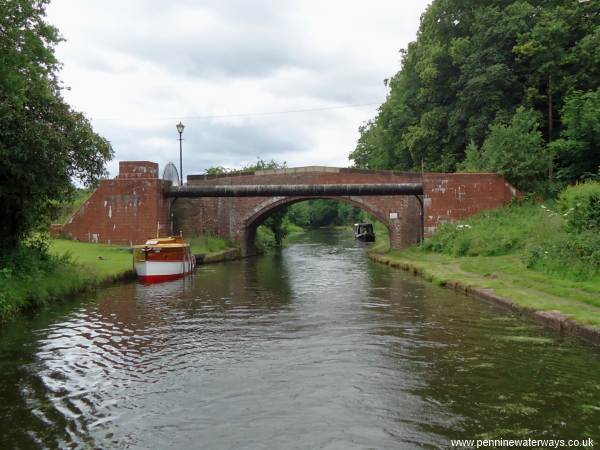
[[136, 203]]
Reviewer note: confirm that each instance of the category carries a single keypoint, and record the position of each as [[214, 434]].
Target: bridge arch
[[271, 205], [128, 208]]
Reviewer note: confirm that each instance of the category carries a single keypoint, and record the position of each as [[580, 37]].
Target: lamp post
[[180, 128]]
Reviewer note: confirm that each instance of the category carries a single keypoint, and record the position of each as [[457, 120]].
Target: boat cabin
[[364, 232]]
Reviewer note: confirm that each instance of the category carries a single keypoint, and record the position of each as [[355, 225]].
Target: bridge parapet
[[294, 190], [129, 208]]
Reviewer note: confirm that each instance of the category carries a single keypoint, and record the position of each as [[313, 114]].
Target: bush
[[542, 237], [30, 276], [515, 150], [575, 256], [496, 232], [580, 205]]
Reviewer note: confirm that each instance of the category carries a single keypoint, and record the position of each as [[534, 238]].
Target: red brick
[[127, 209]]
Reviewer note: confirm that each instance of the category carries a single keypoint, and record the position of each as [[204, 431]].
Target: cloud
[[138, 67]]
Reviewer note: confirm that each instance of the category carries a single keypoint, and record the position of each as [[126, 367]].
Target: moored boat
[[364, 232], [163, 259]]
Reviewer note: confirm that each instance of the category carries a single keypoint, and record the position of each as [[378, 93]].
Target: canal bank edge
[[216, 257], [554, 320], [88, 284]]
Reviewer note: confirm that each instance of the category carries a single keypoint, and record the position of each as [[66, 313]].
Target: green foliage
[[536, 234], [217, 170], [574, 255], [39, 270], [473, 161], [577, 149], [322, 213], [64, 209], [516, 151], [275, 223], [260, 164], [209, 244], [44, 144], [24, 274], [497, 232], [580, 205], [472, 66], [29, 255]]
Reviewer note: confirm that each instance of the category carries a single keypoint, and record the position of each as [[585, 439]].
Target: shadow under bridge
[[305, 191]]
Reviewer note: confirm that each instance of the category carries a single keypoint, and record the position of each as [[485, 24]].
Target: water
[[316, 347]]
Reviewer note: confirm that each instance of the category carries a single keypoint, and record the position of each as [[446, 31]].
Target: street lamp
[[180, 128]]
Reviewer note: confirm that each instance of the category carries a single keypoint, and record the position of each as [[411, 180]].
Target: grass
[[507, 276], [103, 260], [26, 291], [32, 280], [513, 229], [495, 250], [382, 238], [209, 244]]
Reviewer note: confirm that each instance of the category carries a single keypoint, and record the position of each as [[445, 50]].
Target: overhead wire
[[233, 115]]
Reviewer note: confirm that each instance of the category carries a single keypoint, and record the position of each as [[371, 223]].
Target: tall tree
[[515, 150], [44, 143], [578, 149], [475, 62]]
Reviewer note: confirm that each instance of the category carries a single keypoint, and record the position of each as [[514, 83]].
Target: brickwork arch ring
[[273, 204]]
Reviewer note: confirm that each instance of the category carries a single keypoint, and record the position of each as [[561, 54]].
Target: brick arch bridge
[[129, 208], [237, 217], [244, 217], [275, 204]]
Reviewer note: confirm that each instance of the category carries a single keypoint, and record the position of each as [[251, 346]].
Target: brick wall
[[137, 169], [125, 210], [455, 196], [238, 218]]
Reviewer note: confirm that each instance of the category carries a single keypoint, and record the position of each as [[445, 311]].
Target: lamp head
[[180, 127]]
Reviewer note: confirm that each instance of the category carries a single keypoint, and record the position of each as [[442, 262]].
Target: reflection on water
[[315, 347]]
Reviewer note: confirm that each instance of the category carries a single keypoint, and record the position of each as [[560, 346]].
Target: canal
[[313, 347]]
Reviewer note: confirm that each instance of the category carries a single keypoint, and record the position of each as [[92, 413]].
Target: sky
[[234, 72]]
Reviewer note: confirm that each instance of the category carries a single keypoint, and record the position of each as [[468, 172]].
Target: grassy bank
[[32, 278], [209, 244], [382, 238], [100, 260], [265, 238], [516, 253]]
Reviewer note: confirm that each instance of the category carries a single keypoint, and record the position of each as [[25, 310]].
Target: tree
[[217, 170], [473, 160], [516, 150], [475, 62], [44, 143], [578, 148]]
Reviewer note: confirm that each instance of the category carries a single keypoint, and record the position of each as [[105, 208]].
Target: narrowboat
[[163, 259], [364, 232]]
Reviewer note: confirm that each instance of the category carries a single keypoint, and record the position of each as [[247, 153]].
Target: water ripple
[[307, 349]]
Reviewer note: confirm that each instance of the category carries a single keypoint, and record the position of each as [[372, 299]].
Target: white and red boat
[[163, 259]]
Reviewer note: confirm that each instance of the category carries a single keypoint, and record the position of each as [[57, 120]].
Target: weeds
[[538, 233]]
